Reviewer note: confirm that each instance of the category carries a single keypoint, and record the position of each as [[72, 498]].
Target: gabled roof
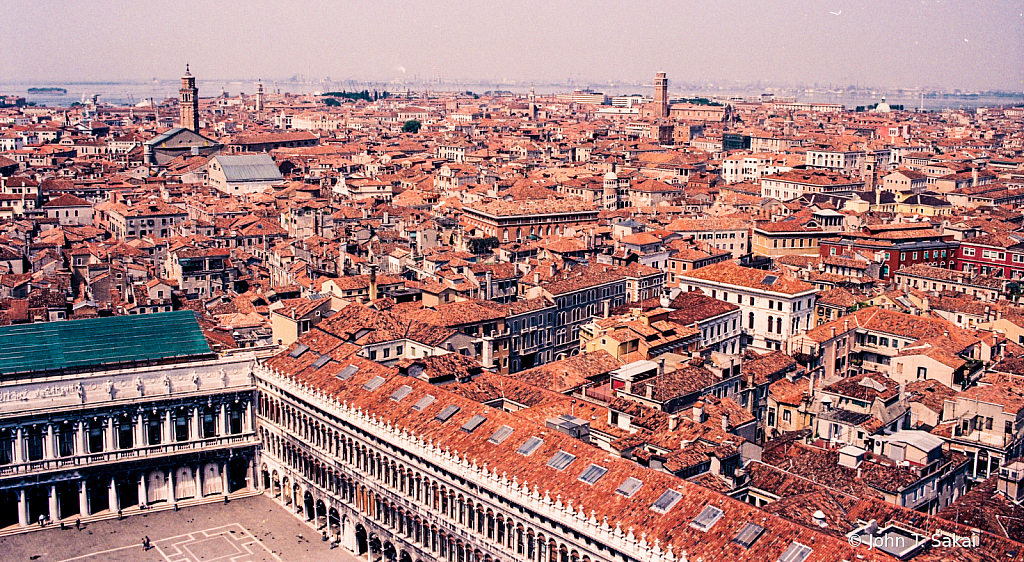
[[249, 167]]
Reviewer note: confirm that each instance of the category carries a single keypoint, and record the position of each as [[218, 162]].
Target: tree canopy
[[411, 126]]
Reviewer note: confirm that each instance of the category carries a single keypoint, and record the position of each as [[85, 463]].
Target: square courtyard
[[252, 529]]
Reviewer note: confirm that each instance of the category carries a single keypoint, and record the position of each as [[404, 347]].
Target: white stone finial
[[629, 534]]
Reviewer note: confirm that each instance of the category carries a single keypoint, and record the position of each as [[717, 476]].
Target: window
[[531, 445], [154, 430], [181, 427], [922, 373], [786, 416], [629, 487], [66, 440], [592, 474], [561, 460], [96, 436], [209, 424], [968, 251], [707, 518], [235, 421], [667, 500], [124, 434]]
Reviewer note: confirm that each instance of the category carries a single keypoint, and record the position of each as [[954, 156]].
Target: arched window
[[770, 324], [778, 325], [751, 320]]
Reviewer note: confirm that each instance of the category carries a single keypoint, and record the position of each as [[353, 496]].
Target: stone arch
[[309, 506], [321, 514]]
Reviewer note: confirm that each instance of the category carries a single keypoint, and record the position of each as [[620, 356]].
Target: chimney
[[661, 367], [673, 422], [373, 282], [974, 177], [878, 196], [698, 412], [487, 353], [925, 305], [664, 301], [725, 422], [607, 308], [536, 278], [810, 386], [903, 392], [650, 391], [833, 331]]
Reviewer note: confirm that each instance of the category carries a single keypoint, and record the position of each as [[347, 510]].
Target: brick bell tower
[[188, 101]]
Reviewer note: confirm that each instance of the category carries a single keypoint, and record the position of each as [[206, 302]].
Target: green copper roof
[[82, 344]]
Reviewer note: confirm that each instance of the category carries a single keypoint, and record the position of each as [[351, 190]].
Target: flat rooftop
[[100, 342]]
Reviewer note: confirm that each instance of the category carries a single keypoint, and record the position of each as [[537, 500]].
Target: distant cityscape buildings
[[483, 328]]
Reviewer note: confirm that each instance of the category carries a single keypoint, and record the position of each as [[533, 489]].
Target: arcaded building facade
[[111, 414], [398, 469]]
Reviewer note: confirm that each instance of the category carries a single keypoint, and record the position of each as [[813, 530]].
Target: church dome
[[882, 107], [611, 176]]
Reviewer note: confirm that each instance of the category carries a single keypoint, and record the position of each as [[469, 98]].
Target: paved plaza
[[253, 529]]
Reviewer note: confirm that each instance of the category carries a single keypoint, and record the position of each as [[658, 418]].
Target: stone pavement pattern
[[253, 529]]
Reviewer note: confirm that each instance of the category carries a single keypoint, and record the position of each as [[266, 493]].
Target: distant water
[[133, 93]]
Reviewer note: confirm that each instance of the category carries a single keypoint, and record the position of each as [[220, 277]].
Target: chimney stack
[[698, 412], [673, 422], [725, 422], [373, 282]]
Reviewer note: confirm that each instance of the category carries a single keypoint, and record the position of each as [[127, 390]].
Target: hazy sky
[[967, 44]]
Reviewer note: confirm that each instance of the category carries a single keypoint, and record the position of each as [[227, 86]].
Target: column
[[196, 425], [53, 503], [22, 508], [222, 419], [199, 480], [143, 497], [254, 475], [247, 418], [110, 439], [19, 445], [50, 448], [170, 486], [168, 436], [83, 499], [80, 448], [224, 478], [140, 430], [113, 500]]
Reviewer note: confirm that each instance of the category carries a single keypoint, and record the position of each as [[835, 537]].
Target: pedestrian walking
[[41, 519], [78, 524], [148, 544]]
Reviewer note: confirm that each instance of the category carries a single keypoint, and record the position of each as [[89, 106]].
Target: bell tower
[[661, 94], [188, 100], [259, 96]]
